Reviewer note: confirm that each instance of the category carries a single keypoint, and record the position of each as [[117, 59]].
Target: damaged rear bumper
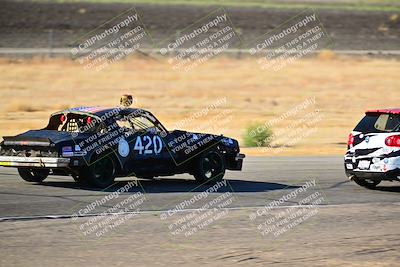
[[41, 162]]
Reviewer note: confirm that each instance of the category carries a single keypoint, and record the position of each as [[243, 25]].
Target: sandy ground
[[223, 96]]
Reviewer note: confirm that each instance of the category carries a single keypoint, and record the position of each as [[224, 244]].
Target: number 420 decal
[[147, 145]]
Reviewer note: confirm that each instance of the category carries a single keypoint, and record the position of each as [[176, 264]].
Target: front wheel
[[33, 175], [367, 183], [210, 167], [101, 173]]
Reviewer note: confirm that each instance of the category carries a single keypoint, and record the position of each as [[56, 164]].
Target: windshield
[[377, 123]]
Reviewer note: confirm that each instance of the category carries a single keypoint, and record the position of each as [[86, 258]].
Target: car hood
[[227, 141]]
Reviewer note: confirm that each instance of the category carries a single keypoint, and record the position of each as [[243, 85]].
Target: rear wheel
[[101, 173], [209, 166], [33, 175], [367, 183]]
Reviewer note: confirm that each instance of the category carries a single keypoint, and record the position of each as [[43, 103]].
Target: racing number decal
[[146, 148], [148, 145]]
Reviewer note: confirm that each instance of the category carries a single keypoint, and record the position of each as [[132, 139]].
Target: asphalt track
[[261, 181], [353, 225]]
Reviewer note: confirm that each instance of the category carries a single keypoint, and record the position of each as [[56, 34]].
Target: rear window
[[373, 123], [73, 122]]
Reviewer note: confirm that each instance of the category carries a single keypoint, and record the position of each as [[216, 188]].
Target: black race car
[[94, 145]]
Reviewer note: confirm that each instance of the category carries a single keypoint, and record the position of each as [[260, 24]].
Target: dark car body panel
[[156, 153]]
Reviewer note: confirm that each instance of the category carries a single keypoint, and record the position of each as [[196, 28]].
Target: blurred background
[[359, 70]]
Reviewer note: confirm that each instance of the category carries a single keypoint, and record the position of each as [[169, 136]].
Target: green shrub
[[257, 134]]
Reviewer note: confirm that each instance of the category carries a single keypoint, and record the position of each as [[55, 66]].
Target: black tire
[[33, 175], [209, 167], [78, 178], [367, 183], [101, 173]]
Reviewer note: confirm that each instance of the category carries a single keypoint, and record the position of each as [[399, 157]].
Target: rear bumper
[[392, 175], [382, 169], [42, 162]]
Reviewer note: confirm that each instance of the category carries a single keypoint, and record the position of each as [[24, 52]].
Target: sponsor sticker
[[123, 148], [67, 151]]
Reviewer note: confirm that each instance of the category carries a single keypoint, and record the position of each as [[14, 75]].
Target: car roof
[[385, 111], [98, 111]]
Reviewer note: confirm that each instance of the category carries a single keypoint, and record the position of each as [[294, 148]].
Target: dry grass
[[343, 89], [24, 105], [326, 55]]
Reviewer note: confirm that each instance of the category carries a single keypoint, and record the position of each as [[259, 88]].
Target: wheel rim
[[103, 169], [38, 173], [212, 165], [31, 173]]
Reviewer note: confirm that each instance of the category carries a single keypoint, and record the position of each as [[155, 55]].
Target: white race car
[[373, 148]]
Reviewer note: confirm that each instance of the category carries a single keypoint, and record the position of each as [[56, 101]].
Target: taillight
[[350, 141], [393, 140]]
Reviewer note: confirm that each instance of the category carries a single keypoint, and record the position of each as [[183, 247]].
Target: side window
[[393, 122], [124, 123], [380, 123], [143, 124]]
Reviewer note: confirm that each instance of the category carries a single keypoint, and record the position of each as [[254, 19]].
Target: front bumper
[[41, 162], [236, 163]]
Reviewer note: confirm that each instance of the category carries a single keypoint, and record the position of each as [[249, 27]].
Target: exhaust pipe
[[351, 177]]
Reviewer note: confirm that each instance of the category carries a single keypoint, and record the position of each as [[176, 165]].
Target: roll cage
[[78, 121]]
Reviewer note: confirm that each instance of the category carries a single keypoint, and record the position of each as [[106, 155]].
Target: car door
[[148, 153]]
